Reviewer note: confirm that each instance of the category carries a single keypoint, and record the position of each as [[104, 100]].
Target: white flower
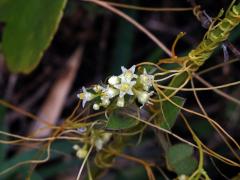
[[125, 87], [96, 106], [143, 96], [128, 74], [120, 102], [99, 142], [111, 92], [85, 96], [114, 80], [105, 101], [97, 88], [146, 80]]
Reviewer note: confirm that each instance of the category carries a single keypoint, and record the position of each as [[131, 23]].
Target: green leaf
[[179, 152], [170, 112], [180, 160], [58, 149], [176, 82], [2, 5], [28, 155], [187, 166], [4, 9], [30, 27], [119, 119]]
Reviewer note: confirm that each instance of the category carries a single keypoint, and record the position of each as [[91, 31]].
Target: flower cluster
[[98, 139], [101, 139], [127, 83]]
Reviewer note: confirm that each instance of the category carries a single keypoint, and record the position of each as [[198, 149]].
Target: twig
[[221, 93], [151, 9]]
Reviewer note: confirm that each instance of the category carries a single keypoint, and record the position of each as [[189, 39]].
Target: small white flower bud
[[81, 153], [106, 137], [105, 101], [76, 147], [103, 139], [96, 107], [120, 102], [114, 80], [99, 144], [182, 177], [143, 96]]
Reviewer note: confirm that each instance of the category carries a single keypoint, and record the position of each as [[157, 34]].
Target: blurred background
[[92, 44]]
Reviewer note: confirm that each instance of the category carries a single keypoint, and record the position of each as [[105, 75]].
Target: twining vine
[[123, 107]]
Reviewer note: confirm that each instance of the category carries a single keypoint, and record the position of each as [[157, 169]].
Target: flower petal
[[123, 69], [132, 69]]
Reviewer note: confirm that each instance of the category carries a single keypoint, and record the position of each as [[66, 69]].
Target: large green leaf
[[180, 159], [2, 4], [58, 149], [4, 9], [29, 155], [170, 112], [26, 156], [30, 27]]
